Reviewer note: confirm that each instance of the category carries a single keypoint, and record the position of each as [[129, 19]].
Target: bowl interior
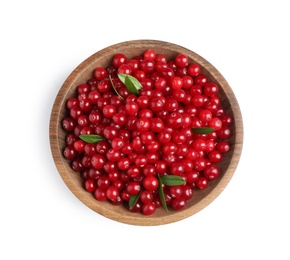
[[83, 72]]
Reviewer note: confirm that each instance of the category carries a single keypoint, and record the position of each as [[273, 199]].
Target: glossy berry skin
[[98, 161], [118, 60], [112, 193], [90, 185], [178, 204], [211, 172], [150, 183], [133, 188], [201, 183], [181, 60], [100, 73]]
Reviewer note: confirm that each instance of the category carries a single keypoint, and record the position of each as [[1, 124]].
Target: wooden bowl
[[201, 198]]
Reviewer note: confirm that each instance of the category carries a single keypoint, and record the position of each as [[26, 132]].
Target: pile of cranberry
[[148, 135]]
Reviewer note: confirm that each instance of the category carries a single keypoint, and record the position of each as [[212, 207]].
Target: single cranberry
[[118, 60], [90, 185], [179, 203], [134, 64], [113, 155], [181, 60], [193, 69], [112, 193], [150, 183], [224, 132], [142, 124], [70, 152], [186, 192], [174, 120], [211, 172], [215, 156], [133, 171], [133, 188], [100, 194], [223, 147], [69, 124], [131, 108], [147, 65], [98, 161], [103, 182], [148, 208], [149, 54], [125, 69], [100, 73], [201, 183]]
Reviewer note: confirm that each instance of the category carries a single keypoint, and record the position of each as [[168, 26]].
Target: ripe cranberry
[[146, 196], [147, 65], [175, 191], [211, 172], [131, 108], [149, 54], [118, 60], [178, 203], [100, 194], [70, 152], [148, 208], [133, 188], [181, 60], [215, 156], [211, 89], [142, 124], [200, 79], [223, 147], [176, 83], [150, 183], [224, 132], [193, 69], [113, 155], [110, 132], [125, 69], [134, 64], [112, 193], [201, 183], [103, 182], [174, 120], [100, 73], [90, 185], [215, 123], [109, 111]]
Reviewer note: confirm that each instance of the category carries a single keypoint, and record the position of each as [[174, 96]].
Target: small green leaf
[[133, 200], [122, 77], [131, 83], [115, 88], [172, 180], [161, 194], [91, 138], [202, 130]]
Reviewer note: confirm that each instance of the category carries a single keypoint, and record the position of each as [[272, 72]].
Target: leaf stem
[[115, 89]]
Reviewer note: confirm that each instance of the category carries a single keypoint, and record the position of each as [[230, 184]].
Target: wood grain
[[201, 198]]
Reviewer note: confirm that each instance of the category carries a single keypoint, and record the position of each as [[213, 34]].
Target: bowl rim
[[114, 214]]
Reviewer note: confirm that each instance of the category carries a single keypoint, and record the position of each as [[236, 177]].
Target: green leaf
[[161, 194], [91, 138], [115, 88], [133, 200], [131, 83], [202, 130], [122, 77], [172, 180]]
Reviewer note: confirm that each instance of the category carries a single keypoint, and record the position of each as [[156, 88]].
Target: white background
[[43, 41]]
